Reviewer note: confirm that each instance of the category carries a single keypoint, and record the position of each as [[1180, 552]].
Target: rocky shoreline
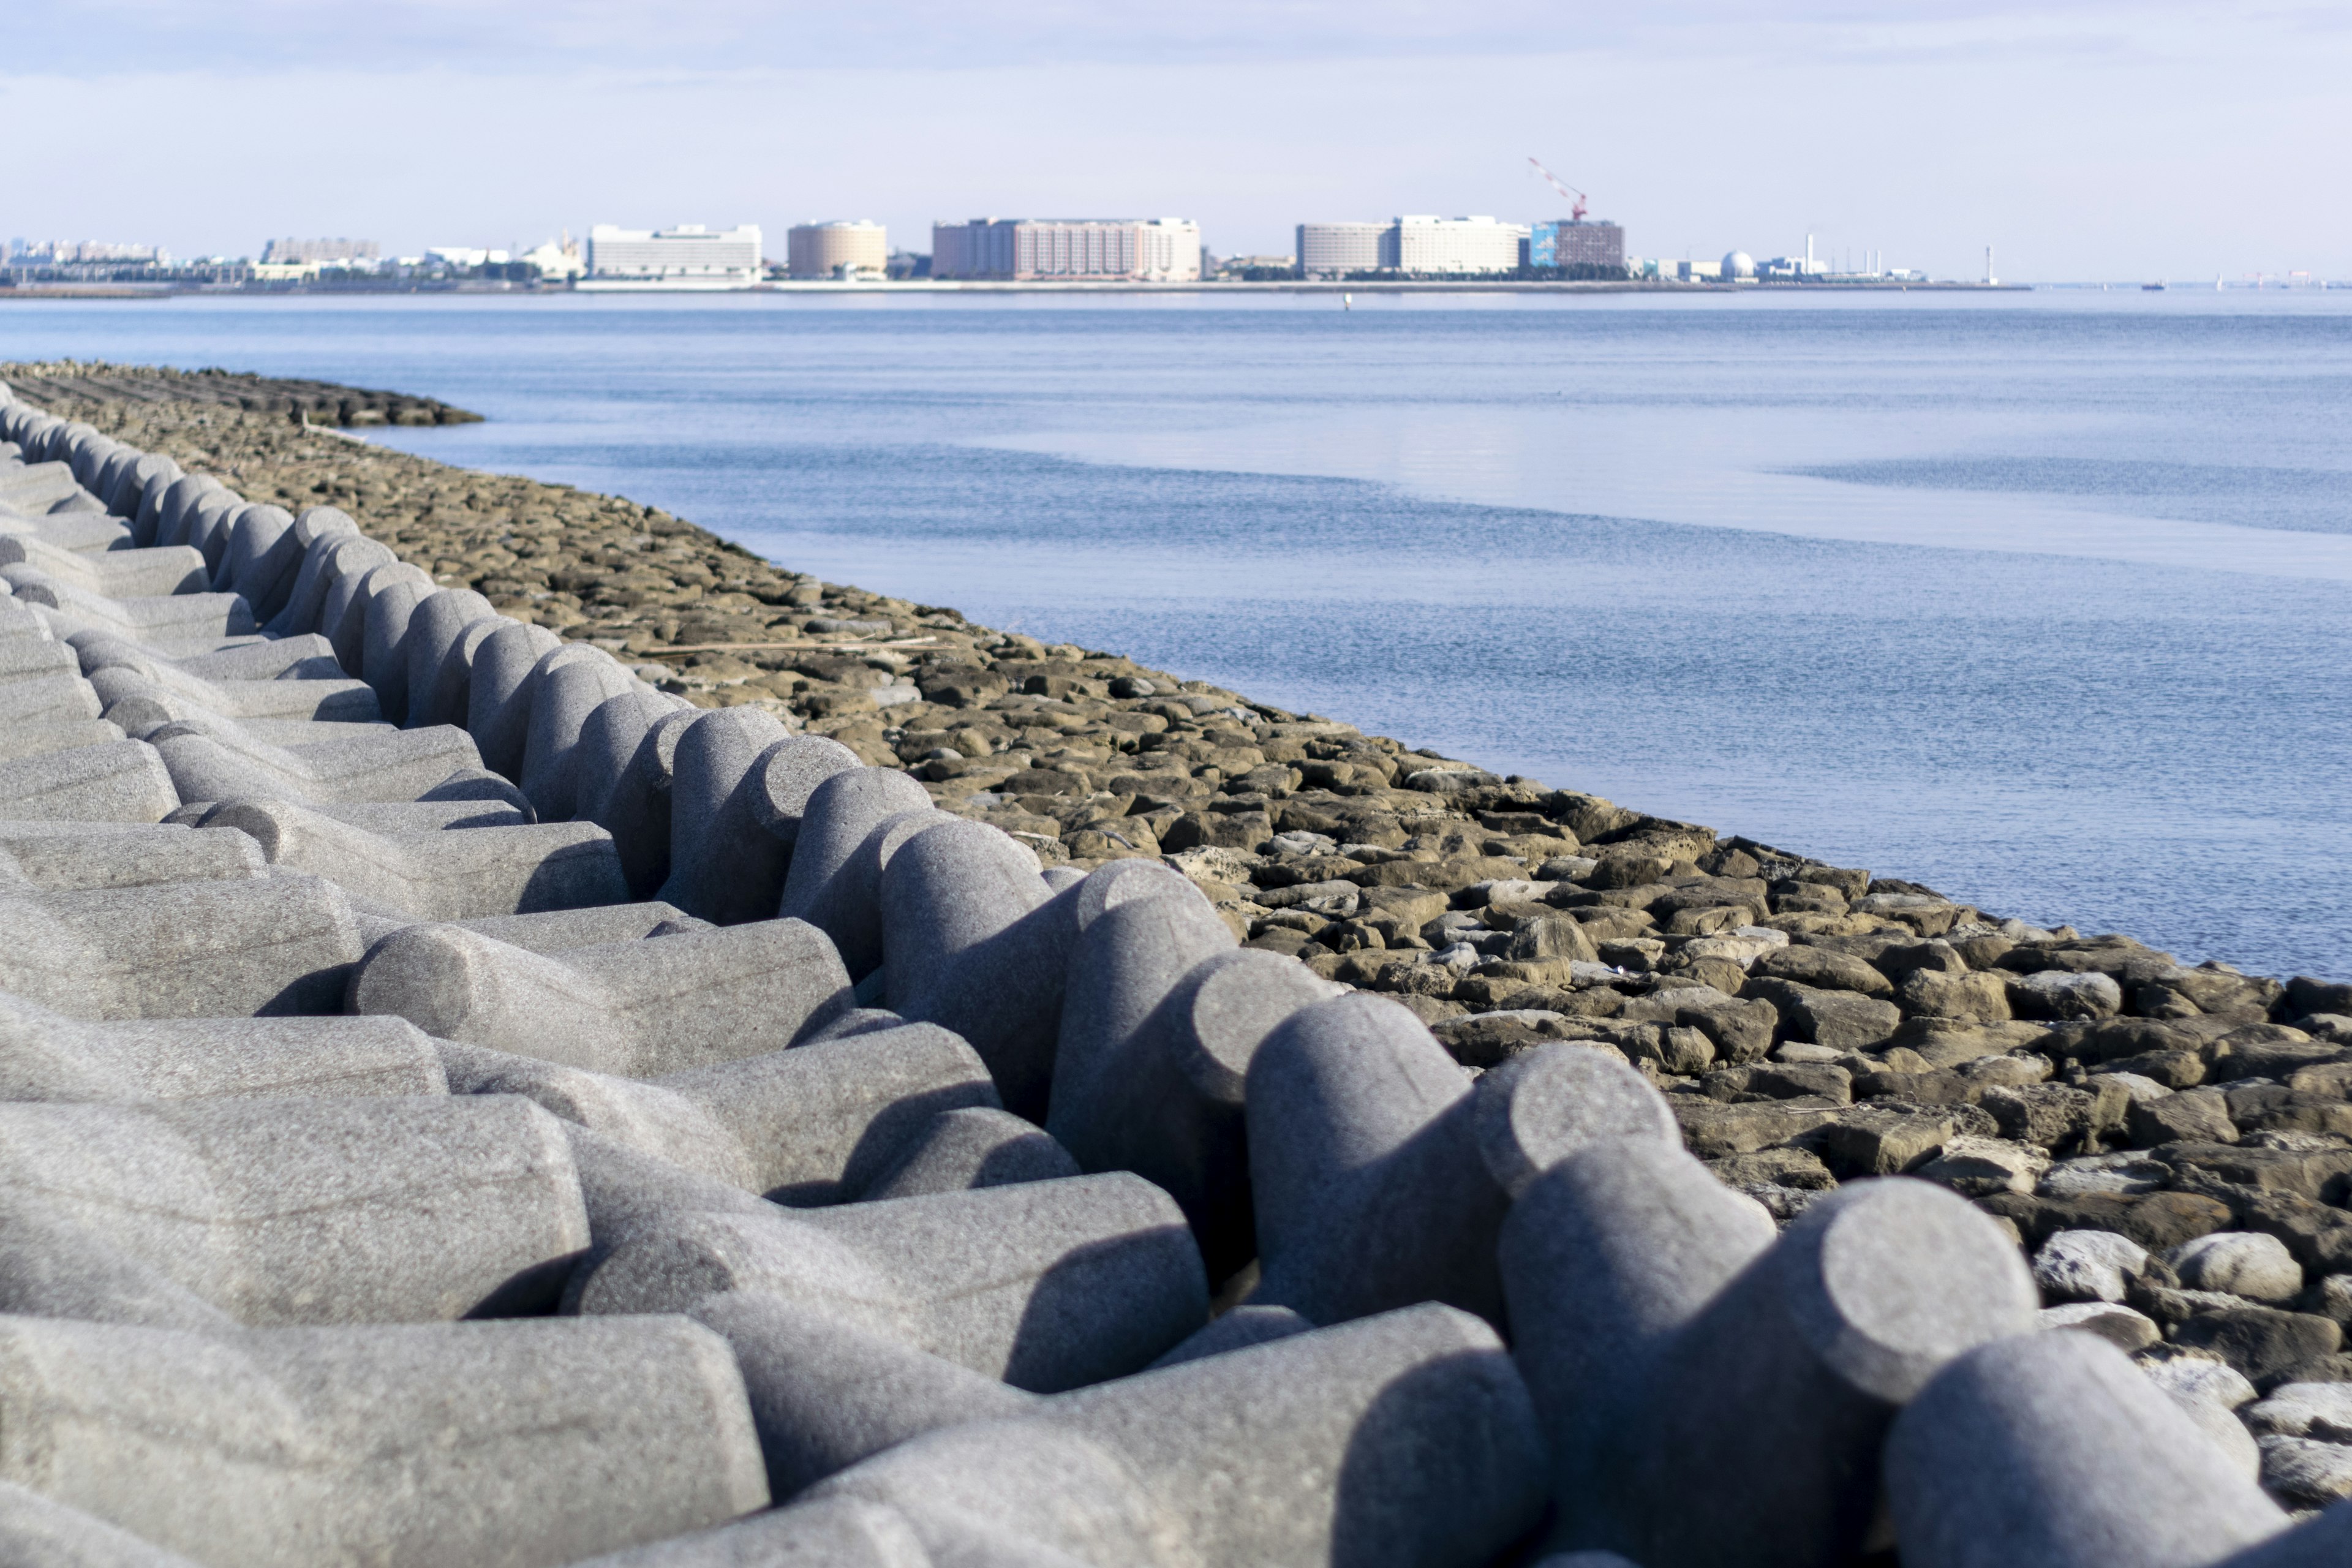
[[2171, 1145]]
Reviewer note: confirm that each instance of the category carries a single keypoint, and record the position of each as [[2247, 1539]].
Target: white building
[[1152, 251], [688, 256], [839, 248], [1338, 249], [1449, 247], [558, 260]]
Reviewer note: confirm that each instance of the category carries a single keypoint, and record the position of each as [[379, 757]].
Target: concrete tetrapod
[[115, 574], [440, 662], [71, 857], [384, 643], [835, 880], [330, 559], [634, 808], [566, 696], [216, 760], [349, 606], [44, 1056], [607, 743], [972, 1147], [1398, 1441], [125, 781], [171, 693], [438, 875], [973, 940], [1648, 1303], [1046, 1285], [498, 692], [291, 1211], [738, 786], [636, 1009], [2052, 1450], [1370, 1189], [816, 1124], [187, 949], [41, 1532], [528, 1444]]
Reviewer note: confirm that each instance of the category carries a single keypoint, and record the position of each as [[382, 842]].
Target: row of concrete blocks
[[1652, 1314]]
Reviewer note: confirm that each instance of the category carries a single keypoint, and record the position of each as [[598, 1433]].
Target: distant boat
[[2153, 288]]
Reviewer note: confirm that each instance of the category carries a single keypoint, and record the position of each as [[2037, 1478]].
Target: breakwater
[[1611, 1086]]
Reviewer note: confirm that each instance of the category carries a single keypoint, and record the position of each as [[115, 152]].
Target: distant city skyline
[[2083, 138]]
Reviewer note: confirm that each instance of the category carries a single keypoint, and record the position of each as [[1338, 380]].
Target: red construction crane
[[1567, 191]]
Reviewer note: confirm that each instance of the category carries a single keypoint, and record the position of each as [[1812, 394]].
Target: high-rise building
[[333, 252], [1340, 249], [1449, 247], [1575, 245], [1155, 250], [824, 249], [687, 256]]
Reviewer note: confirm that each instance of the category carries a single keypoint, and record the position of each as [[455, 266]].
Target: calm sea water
[[2042, 599]]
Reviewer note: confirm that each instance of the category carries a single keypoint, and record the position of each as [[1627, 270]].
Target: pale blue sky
[[2083, 138]]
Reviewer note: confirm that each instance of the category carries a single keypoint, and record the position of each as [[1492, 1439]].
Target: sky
[[2082, 139]]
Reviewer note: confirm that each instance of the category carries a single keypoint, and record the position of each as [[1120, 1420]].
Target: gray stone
[[2054, 994], [528, 1444], [2242, 1263], [2306, 1473], [1369, 1184], [738, 786], [2320, 1410], [1843, 1020], [2321, 1542], [498, 692], [2087, 1265], [635, 1009], [1046, 1285], [2118, 1325], [44, 1056], [189, 950], [1400, 1439], [805, 1127], [286, 1211], [835, 880], [2050, 1449], [438, 875], [964, 1149], [562, 701]]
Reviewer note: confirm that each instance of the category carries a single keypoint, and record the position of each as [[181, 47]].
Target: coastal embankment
[[2170, 1145]]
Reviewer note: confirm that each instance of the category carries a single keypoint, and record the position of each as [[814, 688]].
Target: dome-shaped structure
[[1740, 264]]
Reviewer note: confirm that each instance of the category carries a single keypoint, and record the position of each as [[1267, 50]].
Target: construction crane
[[1567, 191]]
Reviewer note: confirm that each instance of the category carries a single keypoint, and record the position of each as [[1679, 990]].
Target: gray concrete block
[[738, 788], [1370, 1189], [825, 1393], [209, 522], [116, 574], [41, 738], [1816, 1343], [262, 550], [566, 696], [415, 1446], [122, 780], [40, 1532], [57, 698], [635, 807], [959, 1150], [636, 1009], [1400, 1439], [842, 1534], [215, 759], [441, 633], [2053, 1451], [161, 516], [1046, 1285], [173, 624], [158, 691], [498, 699], [438, 875], [190, 950], [1543, 1105], [344, 619], [306, 657], [384, 642], [1236, 1330], [327, 560], [805, 1127], [288, 1211], [2325, 1542], [973, 940], [66, 857], [44, 1056], [595, 927], [835, 880]]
